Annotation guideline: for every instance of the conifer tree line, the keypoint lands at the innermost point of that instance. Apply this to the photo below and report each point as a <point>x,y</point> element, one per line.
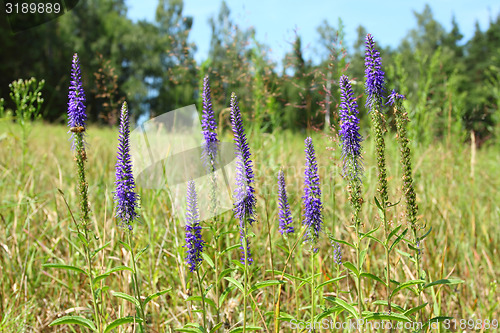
<point>452,85</point>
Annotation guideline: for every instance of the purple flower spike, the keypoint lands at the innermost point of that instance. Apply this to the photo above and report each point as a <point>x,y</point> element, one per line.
<point>284,211</point>
<point>244,194</point>
<point>194,243</point>
<point>349,131</point>
<point>337,253</point>
<point>208,123</point>
<point>374,75</point>
<point>312,195</point>
<point>76,104</point>
<point>125,195</point>
<point>394,97</point>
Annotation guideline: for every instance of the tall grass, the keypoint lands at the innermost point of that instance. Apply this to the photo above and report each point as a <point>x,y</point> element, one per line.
<point>37,229</point>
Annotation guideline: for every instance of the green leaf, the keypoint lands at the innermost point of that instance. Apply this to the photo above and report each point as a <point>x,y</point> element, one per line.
<point>235,282</point>
<point>239,264</point>
<point>199,299</point>
<point>224,273</point>
<point>288,276</point>
<point>82,239</point>
<point>326,313</point>
<point>351,267</point>
<point>208,260</point>
<point>394,231</point>
<point>99,249</point>
<point>122,321</point>
<point>400,237</point>
<point>99,278</point>
<point>342,242</point>
<point>425,235</point>
<point>415,309</point>
<point>155,295</point>
<point>329,281</point>
<point>362,256</point>
<point>393,305</point>
<point>189,330</point>
<point>406,284</point>
<point>236,246</point>
<point>119,268</point>
<point>373,277</point>
<point>74,320</point>
<point>264,284</point>
<point>368,315</point>
<point>369,233</point>
<point>376,240</point>
<point>67,267</point>
<point>343,304</point>
<point>140,253</point>
<point>125,245</point>
<point>413,247</point>
<point>224,294</point>
<point>404,254</point>
<point>127,297</point>
<point>378,204</point>
<point>216,327</point>
<point>444,281</point>
<point>248,328</point>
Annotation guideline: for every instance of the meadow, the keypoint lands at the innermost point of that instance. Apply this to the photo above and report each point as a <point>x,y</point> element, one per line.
<point>457,195</point>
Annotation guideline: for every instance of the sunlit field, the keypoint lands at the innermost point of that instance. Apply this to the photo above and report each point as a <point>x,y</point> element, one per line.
<point>457,196</point>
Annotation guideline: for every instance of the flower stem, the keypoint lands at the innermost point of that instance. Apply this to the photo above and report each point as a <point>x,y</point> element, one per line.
<point>202,300</point>
<point>136,284</point>
<point>313,305</point>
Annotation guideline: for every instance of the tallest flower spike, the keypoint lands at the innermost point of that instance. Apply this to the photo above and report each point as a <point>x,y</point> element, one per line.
<point>374,74</point>
<point>77,121</point>
<point>375,89</point>
<point>77,117</point>
<point>244,194</point>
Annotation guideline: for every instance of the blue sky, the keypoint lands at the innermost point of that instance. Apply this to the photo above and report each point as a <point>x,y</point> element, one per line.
<point>275,21</point>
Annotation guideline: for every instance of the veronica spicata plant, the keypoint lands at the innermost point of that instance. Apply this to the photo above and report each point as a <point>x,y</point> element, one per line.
<point>313,218</point>
<point>244,194</point>
<point>375,90</point>
<point>194,241</point>
<point>374,86</point>
<point>77,122</point>
<point>285,216</point>
<point>127,204</point>
<point>350,139</point>
<point>209,156</point>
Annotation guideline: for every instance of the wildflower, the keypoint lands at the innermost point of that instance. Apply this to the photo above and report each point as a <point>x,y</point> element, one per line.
<point>76,120</point>
<point>125,195</point>
<point>211,143</point>
<point>312,195</point>
<point>349,131</point>
<point>208,123</point>
<point>337,253</point>
<point>373,73</point>
<point>76,104</point>
<point>284,211</point>
<point>375,89</point>
<point>194,243</point>
<point>401,116</point>
<point>394,97</point>
<point>244,194</point>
